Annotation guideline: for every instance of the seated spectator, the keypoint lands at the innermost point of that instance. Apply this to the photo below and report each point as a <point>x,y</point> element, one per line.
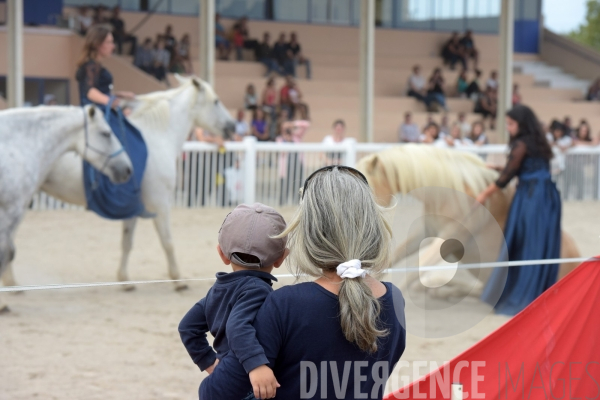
<point>430,133</point>
<point>465,127</point>
<point>492,81</point>
<point>462,84</point>
<point>560,138</point>
<point>281,55</point>
<point>119,34</point>
<point>456,138</point>
<point>487,106</point>
<point>516,95</point>
<point>161,60</point>
<point>416,86</point>
<point>474,89</point>
<point>241,126</point>
<point>593,93</point>
<point>469,50</point>
<point>409,131</point>
<point>144,57</point>
<point>260,128</point>
<point>238,43</point>
<point>184,52</point>
<point>221,42</point>
<point>568,127</point>
<point>295,96</point>
<point>250,100</point>
<point>241,26</point>
<point>98,16</point>
<point>453,52</point>
<point>177,64</point>
<point>269,98</point>
<point>169,40</point>
<point>291,165</point>
<point>444,127</point>
<point>435,90</point>
<point>84,20</point>
<point>339,133</point>
<point>295,54</point>
<point>264,55</point>
<point>478,136</point>
<point>583,135</point>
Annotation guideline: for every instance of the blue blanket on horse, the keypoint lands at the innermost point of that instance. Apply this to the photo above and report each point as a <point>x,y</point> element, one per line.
<point>110,200</point>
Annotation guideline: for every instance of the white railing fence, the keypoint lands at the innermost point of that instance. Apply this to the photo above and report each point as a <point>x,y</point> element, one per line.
<point>272,173</point>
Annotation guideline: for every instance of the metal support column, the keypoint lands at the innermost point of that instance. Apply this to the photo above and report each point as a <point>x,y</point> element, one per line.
<point>367,68</point>
<point>507,27</point>
<point>15,80</point>
<point>207,41</point>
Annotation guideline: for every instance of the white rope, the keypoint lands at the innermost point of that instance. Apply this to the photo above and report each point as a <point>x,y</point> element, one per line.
<point>26,288</point>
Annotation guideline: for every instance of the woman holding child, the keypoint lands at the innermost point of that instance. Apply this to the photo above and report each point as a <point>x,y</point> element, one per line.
<point>340,335</point>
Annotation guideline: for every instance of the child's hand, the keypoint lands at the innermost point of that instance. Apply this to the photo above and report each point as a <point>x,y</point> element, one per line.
<point>212,367</point>
<point>263,382</point>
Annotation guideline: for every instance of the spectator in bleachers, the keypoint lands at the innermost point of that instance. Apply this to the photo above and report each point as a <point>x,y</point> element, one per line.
<point>99,17</point>
<point>444,126</point>
<point>298,106</point>
<point>469,50</point>
<point>221,41</point>
<point>516,95</point>
<point>184,52</point>
<point>296,56</point>
<point>568,127</point>
<point>474,89</point>
<point>409,131</point>
<point>177,64</point>
<point>453,52</point>
<point>435,90</point>
<point>338,136</point>
<point>456,137</point>
<point>260,126</point>
<point>241,27</point>
<point>237,39</point>
<point>169,40</point>
<point>492,81</point>
<point>84,20</point>
<point>119,33</point>
<point>161,59</point>
<point>264,55</point>
<point>465,127</point>
<point>560,138</point>
<point>269,98</point>
<point>241,126</point>
<point>291,166</point>
<point>487,105</point>
<point>416,86</point>
<point>250,99</point>
<point>583,135</point>
<point>462,84</point>
<point>144,57</point>
<point>281,55</point>
<point>478,136</point>
<point>593,93</point>
<point>430,134</point>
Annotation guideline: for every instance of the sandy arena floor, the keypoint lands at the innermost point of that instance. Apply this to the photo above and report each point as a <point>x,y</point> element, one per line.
<point>104,343</point>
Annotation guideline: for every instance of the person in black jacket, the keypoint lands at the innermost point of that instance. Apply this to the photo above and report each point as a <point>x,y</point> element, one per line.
<point>264,55</point>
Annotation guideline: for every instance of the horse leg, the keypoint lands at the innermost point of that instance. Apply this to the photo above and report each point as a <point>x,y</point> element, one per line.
<point>568,249</point>
<point>162,223</point>
<point>7,254</point>
<point>126,246</point>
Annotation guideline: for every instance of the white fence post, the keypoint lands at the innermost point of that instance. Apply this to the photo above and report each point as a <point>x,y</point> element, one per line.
<point>350,152</point>
<point>250,170</point>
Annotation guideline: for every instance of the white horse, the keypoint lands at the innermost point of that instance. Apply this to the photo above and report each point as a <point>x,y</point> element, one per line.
<point>165,120</point>
<point>31,141</point>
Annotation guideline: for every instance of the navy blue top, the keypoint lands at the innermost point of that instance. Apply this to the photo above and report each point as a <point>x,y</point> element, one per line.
<point>227,312</point>
<point>93,75</point>
<point>300,331</point>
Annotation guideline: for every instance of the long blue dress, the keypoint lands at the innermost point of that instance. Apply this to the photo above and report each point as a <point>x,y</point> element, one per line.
<point>105,198</point>
<point>532,232</point>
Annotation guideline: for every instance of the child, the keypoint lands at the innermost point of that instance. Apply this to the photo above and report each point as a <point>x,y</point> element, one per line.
<point>229,308</point>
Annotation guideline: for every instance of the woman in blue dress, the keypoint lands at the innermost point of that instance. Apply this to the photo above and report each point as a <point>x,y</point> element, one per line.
<point>532,228</point>
<point>95,87</point>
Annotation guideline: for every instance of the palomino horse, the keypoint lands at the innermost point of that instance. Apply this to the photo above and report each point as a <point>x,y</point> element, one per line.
<point>409,169</point>
<point>31,141</point>
<point>165,119</point>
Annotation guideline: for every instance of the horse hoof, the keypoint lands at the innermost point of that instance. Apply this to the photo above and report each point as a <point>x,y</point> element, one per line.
<point>181,286</point>
<point>128,288</point>
<point>4,309</point>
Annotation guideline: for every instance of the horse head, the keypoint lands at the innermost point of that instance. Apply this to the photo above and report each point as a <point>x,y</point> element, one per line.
<point>373,169</point>
<point>100,147</point>
<point>209,111</point>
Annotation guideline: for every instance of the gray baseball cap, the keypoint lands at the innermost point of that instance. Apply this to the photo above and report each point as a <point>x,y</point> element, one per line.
<point>248,230</point>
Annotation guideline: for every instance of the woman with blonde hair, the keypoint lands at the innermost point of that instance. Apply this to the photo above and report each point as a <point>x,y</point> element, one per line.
<point>345,323</point>
<point>96,87</point>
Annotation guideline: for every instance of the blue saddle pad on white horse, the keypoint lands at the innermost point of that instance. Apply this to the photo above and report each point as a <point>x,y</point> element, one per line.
<point>108,199</point>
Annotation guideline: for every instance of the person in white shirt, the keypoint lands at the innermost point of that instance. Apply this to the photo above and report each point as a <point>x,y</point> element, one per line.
<point>241,126</point>
<point>465,127</point>
<point>338,136</point>
<point>492,82</point>
<point>416,86</point>
<point>408,132</point>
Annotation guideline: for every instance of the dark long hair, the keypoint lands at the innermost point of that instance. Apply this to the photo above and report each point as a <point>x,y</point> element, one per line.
<point>93,40</point>
<point>530,132</point>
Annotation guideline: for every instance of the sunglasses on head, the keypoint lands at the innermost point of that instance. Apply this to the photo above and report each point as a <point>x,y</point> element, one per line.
<point>353,171</point>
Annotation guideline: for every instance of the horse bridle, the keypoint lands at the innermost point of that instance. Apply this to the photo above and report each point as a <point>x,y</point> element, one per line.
<point>108,156</point>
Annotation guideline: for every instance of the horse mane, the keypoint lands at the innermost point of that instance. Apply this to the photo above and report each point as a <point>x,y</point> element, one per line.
<point>155,107</point>
<point>412,166</point>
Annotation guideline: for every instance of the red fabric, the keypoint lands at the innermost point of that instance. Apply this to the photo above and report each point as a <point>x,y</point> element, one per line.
<point>551,350</point>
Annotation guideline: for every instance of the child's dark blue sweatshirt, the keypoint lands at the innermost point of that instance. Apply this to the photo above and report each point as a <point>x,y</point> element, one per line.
<point>227,312</point>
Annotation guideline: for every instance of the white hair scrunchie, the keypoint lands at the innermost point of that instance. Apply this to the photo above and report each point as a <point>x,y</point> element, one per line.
<point>351,269</point>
